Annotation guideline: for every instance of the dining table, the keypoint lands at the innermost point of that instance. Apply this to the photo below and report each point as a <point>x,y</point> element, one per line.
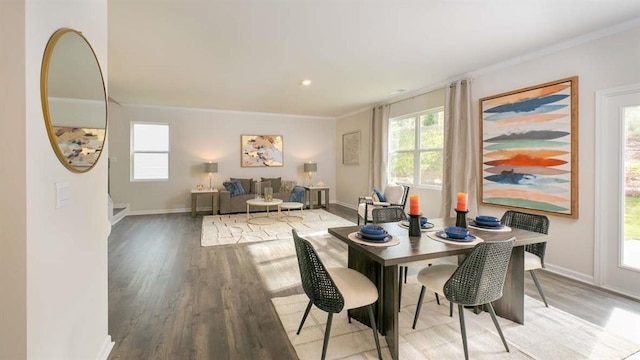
<point>380,264</point>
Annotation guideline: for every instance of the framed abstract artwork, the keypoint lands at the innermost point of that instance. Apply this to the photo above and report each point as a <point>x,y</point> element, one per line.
<point>261,150</point>
<point>529,148</point>
<point>351,148</point>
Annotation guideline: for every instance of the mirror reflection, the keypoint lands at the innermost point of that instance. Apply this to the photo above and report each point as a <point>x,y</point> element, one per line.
<point>73,100</point>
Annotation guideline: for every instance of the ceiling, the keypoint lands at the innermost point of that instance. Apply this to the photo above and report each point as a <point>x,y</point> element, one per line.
<point>251,55</point>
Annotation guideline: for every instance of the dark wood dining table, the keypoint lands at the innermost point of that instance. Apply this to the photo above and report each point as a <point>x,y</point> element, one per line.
<point>380,264</point>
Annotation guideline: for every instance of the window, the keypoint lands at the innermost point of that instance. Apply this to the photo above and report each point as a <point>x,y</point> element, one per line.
<point>416,145</point>
<point>150,151</point>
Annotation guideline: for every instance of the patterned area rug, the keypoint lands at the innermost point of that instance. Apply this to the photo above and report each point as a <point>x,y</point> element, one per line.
<point>548,333</point>
<point>234,229</point>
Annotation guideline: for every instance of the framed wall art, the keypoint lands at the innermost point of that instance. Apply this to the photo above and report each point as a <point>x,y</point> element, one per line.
<point>351,148</point>
<point>261,150</point>
<point>529,148</point>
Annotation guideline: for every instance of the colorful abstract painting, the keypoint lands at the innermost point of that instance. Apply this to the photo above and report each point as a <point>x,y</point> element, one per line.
<point>530,148</point>
<point>261,150</point>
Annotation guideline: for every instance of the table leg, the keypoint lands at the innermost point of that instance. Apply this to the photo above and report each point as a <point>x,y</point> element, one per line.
<point>326,199</point>
<point>194,201</point>
<point>511,305</point>
<point>248,212</point>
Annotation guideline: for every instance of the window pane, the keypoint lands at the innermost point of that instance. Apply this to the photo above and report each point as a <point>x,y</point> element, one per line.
<point>632,187</point>
<point>150,137</point>
<point>402,134</point>
<point>401,168</point>
<point>431,164</point>
<point>432,130</point>
<point>150,166</point>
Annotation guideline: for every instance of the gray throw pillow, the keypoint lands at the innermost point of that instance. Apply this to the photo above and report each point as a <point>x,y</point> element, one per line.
<point>276,183</point>
<point>246,184</point>
<point>233,187</point>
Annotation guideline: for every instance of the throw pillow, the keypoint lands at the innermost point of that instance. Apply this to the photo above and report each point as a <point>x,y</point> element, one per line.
<point>297,194</point>
<point>287,186</point>
<point>275,183</point>
<point>246,184</point>
<point>233,187</point>
<point>378,196</point>
<point>393,193</point>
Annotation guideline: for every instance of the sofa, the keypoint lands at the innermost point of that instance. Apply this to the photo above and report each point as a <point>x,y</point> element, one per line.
<point>235,201</point>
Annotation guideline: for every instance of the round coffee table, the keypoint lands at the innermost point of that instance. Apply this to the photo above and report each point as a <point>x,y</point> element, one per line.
<point>288,206</point>
<point>266,204</point>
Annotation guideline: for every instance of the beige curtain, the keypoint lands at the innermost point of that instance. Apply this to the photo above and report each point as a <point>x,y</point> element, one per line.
<point>460,149</point>
<point>379,147</point>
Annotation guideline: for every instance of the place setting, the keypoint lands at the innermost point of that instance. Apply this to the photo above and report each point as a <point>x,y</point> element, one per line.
<point>488,223</point>
<point>425,225</point>
<point>455,235</point>
<point>373,235</point>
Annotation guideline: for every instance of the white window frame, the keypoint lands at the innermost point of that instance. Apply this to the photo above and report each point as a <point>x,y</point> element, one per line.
<point>133,152</point>
<point>417,150</point>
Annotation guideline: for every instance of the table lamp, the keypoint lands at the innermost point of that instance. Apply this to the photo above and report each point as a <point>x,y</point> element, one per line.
<point>310,168</point>
<point>210,168</point>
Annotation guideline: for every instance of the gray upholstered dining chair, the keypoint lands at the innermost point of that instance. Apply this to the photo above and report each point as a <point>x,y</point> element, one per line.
<point>478,280</point>
<point>333,289</point>
<point>534,253</point>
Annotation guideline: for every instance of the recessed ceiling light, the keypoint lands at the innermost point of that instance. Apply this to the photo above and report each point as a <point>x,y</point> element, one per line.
<point>399,91</point>
<point>306,82</point>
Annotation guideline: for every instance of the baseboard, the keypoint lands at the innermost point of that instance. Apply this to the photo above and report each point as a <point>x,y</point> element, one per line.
<point>106,348</point>
<point>347,205</point>
<point>578,276</point>
<point>163,211</point>
<point>121,214</point>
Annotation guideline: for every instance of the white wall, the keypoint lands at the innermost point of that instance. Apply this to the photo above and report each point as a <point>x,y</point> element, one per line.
<point>13,192</point>
<point>600,64</point>
<point>197,136</point>
<point>67,294</point>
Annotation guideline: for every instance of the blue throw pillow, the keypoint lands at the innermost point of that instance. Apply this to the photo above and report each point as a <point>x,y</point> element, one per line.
<point>234,187</point>
<point>297,194</point>
<point>380,195</point>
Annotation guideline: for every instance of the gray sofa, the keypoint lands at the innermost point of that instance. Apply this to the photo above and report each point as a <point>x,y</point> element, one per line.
<point>238,204</point>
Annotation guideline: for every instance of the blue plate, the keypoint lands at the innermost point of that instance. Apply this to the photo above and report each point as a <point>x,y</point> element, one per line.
<point>488,224</point>
<point>485,218</point>
<point>372,230</point>
<point>425,226</point>
<point>443,235</point>
<point>379,238</point>
<point>456,232</point>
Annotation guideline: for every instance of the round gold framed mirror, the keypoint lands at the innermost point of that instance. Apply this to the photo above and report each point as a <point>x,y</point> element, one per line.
<point>74,100</point>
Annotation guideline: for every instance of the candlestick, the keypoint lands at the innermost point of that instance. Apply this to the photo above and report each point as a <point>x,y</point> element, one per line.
<point>461,218</point>
<point>462,201</point>
<point>414,204</point>
<point>414,225</point>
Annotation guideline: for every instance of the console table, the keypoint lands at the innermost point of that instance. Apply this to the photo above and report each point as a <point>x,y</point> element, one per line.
<point>311,192</point>
<point>214,200</point>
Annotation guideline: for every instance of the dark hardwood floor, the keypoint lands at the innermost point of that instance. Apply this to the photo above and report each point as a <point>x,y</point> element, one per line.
<point>170,298</point>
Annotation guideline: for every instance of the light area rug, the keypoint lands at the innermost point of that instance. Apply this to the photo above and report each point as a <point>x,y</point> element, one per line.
<point>234,229</point>
<point>548,333</point>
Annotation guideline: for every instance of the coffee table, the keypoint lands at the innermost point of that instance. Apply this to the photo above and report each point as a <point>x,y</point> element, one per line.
<point>266,204</point>
<point>288,206</point>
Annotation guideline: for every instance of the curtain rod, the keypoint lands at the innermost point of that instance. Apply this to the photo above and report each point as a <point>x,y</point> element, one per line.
<point>414,96</point>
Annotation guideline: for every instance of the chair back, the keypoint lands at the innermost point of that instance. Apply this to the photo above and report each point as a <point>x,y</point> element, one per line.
<point>316,282</point>
<point>387,214</point>
<point>480,277</point>
<point>530,222</point>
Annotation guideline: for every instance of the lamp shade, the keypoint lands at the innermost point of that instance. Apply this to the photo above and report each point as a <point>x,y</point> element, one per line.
<point>210,167</point>
<point>310,167</point>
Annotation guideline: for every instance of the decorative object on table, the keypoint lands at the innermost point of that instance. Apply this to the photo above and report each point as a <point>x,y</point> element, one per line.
<point>529,146</point>
<point>258,189</point>
<point>199,187</point>
<point>462,210</point>
<point>310,168</point>
<point>461,218</point>
<point>210,168</point>
<point>351,148</point>
<point>414,216</point>
<point>261,150</point>
<point>393,194</point>
<point>268,193</point>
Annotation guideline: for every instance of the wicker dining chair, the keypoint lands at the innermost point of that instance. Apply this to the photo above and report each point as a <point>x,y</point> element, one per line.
<point>478,280</point>
<point>333,290</point>
<point>534,253</point>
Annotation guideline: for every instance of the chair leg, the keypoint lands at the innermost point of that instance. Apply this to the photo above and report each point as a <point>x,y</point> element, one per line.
<point>450,309</point>
<point>406,270</point>
<point>535,280</point>
<point>306,312</point>
<point>327,333</point>
<point>415,318</point>
<point>400,287</point>
<point>437,299</point>
<point>463,331</point>
<point>372,320</point>
<point>495,322</point>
